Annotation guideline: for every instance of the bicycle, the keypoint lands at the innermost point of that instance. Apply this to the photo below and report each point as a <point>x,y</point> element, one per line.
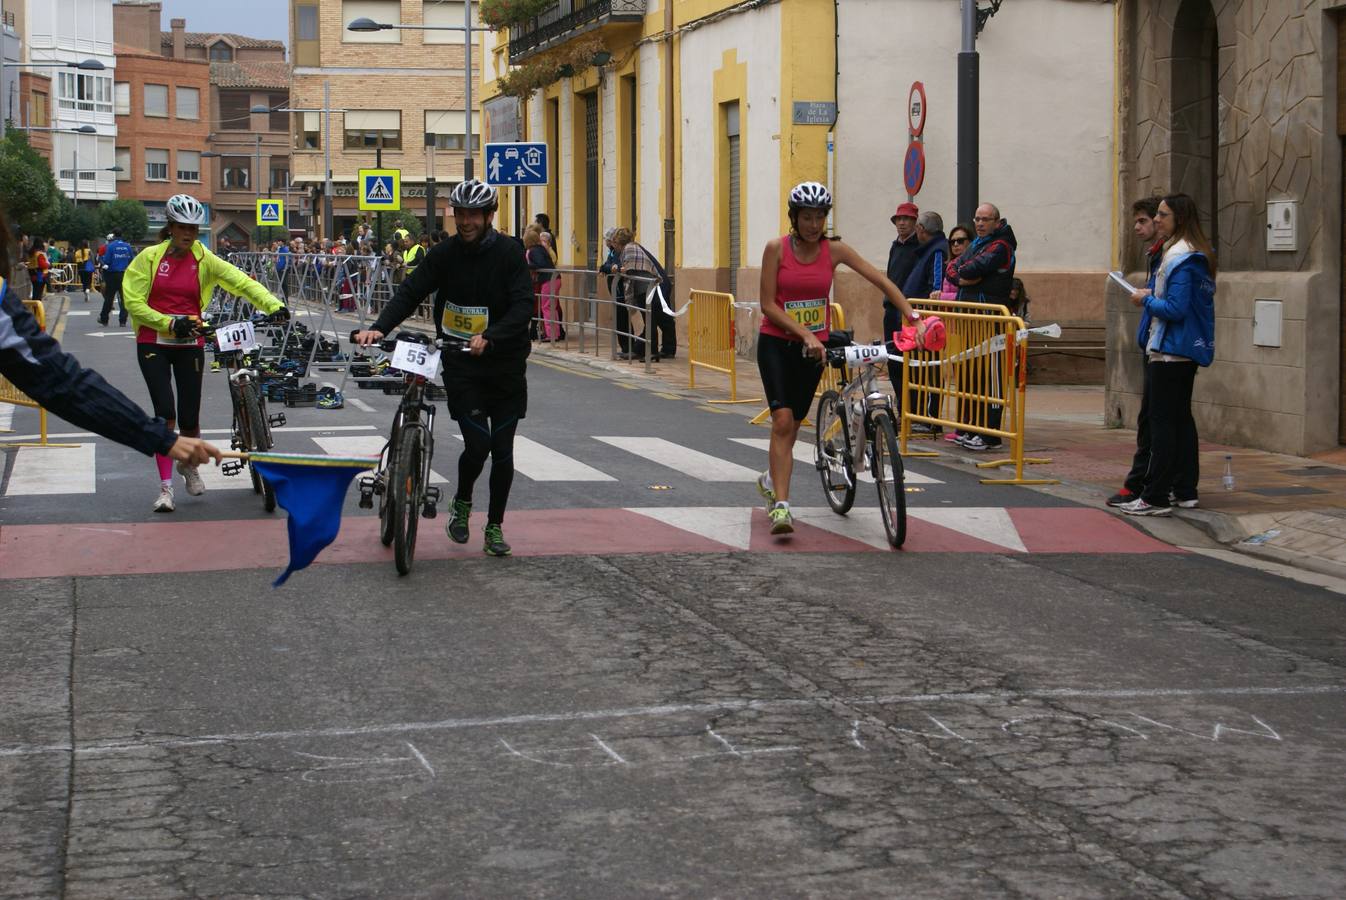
<point>252,425</point>
<point>401,481</point>
<point>854,424</point>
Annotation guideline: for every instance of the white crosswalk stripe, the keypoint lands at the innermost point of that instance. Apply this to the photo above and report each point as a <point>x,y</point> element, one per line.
<point>541,463</point>
<point>52,470</point>
<point>803,452</point>
<point>985,523</point>
<point>6,416</point>
<point>691,462</point>
<point>363,445</point>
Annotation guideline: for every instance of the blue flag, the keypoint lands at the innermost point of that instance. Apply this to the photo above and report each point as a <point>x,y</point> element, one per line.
<point>312,489</point>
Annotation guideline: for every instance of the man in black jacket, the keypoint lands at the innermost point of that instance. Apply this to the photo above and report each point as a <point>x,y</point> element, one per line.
<point>484,297</point>
<point>901,258</point>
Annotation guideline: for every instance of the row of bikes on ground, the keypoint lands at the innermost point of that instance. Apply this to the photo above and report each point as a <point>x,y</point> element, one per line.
<point>856,430</point>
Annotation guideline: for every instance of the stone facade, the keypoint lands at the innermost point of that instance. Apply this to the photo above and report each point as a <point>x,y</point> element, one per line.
<point>1232,102</point>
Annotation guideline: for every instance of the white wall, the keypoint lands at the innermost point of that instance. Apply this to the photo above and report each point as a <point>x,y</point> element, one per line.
<point>649,88</point>
<point>756,38</point>
<point>1050,173</point>
<point>607,156</point>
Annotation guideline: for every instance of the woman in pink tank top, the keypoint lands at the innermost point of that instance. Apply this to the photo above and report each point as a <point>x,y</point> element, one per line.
<point>796,320</point>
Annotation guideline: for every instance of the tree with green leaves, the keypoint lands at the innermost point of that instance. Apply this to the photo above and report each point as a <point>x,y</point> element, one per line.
<point>27,188</point>
<point>65,221</point>
<point>127,216</point>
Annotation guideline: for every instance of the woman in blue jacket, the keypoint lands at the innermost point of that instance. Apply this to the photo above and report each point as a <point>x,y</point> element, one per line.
<point>1177,333</point>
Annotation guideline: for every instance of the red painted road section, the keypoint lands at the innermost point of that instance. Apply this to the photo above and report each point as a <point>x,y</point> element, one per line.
<point>42,551</point>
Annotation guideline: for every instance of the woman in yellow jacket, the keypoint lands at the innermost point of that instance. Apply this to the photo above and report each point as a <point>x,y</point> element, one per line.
<point>84,266</point>
<point>166,289</point>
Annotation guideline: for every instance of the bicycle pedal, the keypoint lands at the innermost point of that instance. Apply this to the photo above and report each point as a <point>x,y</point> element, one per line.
<point>232,467</point>
<point>432,495</point>
<point>428,511</point>
<point>276,420</point>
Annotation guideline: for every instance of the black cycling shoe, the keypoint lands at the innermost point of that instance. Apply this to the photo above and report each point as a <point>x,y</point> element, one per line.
<point>457,529</point>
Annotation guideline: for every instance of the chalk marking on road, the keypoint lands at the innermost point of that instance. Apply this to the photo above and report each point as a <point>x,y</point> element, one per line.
<point>289,429</point>
<point>103,530</point>
<point>672,709</point>
<point>724,743</point>
<point>855,734</point>
<point>608,750</point>
<point>948,732</point>
<point>420,757</point>
<point>1220,728</point>
<point>1008,727</point>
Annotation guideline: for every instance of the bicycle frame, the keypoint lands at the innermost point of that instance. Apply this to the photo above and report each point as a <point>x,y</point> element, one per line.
<point>860,397</point>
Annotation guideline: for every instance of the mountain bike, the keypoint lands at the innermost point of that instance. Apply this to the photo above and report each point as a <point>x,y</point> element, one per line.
<point>252,425</point>
<point>402,481</point>
<point>856,430</point>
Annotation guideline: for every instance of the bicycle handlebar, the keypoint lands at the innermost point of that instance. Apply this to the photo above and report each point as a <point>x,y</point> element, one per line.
<point>389,344</point>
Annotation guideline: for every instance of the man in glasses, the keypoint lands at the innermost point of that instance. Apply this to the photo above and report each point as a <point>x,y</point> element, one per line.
<point>985,274</point>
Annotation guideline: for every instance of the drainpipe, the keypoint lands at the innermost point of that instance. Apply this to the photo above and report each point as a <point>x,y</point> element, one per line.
<point>670,226</point>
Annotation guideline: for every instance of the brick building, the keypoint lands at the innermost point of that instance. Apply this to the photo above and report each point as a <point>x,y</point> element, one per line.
<point>394,88</point>
<point>161,117</point>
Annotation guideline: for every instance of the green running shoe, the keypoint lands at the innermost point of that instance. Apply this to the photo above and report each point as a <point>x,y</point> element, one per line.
<point>457,529</point>
<point>781,520</point>
<point>495,541</point>
<point>768,494</point>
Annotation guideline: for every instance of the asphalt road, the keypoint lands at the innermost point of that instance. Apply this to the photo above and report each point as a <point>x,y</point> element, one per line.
<point>714,723</point>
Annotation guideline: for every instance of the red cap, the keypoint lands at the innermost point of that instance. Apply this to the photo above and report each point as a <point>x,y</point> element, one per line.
<point>906,209</point>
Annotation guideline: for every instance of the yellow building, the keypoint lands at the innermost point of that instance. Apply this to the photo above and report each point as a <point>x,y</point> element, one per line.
<point>394,95</point>
<point>678,132</point>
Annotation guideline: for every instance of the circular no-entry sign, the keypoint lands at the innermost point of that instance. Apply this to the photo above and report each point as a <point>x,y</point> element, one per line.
<point>916,109</point>
<point>913,168</point>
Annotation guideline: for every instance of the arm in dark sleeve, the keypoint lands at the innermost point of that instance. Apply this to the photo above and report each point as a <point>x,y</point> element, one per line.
<point>519,290</point>
<point>35,363</point>
<point>409,294</point>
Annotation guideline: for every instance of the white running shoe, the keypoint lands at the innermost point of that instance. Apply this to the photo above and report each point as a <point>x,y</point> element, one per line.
<point>165,501</point>
<point>195,486</point>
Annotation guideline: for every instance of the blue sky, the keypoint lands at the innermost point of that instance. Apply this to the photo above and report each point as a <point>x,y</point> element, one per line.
<point>254,18</point>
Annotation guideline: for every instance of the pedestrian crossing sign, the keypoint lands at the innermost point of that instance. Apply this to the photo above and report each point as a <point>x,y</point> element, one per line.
<point>270,212</point>
<point>380,189</point>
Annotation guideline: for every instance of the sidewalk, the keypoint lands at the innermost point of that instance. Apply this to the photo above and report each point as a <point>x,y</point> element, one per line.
<point>1286,509</point>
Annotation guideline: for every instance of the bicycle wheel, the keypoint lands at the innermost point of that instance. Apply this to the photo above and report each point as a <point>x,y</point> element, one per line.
<point>250,410</point>
<point>408,495</point>
<point>389,477</point>
<point>889,477</point>
<point>832,453</point>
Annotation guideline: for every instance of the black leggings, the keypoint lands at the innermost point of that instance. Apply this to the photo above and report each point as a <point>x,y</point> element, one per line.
<point>161,366</point>
<point>86,280</point>
<point>482,438</point>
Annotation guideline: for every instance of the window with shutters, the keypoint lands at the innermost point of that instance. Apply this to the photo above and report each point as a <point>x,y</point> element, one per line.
<point>234,115</point>
<point>447,127</point>
<point>307,131</point>
<point>370,129</point>
<point>121,103</point>
<point>189,165</point>
<point>385,11</point>
<point>156,165</point>
<point>187,103</point>
<point>235,172</point>
<point>446,12</point>
<point>156,100</point>
<point>734,205</point>
<point>37,109</point>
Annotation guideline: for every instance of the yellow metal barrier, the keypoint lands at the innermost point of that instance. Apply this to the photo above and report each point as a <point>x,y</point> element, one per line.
<point>977,383</point>
<point>10,394</point>
<point>832,378</point>
<point>711,340</point>
<point>62,275</point>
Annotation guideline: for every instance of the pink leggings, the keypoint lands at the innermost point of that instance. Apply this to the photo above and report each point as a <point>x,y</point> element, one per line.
<point>549,308</point>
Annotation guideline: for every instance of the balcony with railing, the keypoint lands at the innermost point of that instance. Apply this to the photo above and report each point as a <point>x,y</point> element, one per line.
<point>569,19</point>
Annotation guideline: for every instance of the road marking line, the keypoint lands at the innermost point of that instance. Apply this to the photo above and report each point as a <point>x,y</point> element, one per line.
<point>52,470</point>
<point>991,524</point>
<point>289,429</point>
<point>731,525</point>
<point>6,415</point>
<point>709,708</point>
<point>360,404</point>
<point>541,463</point>
<point>701,466</point>
<point>803,451</point>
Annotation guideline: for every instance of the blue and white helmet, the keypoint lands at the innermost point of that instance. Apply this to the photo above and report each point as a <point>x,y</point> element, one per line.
<point>185,210</point>
<point>810,195</point>
<point>473,194</point>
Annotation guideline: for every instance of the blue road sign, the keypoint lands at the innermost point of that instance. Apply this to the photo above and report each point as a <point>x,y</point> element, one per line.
<point>516,164</point>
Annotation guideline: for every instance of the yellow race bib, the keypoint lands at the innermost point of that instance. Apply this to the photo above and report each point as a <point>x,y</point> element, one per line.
<point>464,321</point>
<point>812,314</point>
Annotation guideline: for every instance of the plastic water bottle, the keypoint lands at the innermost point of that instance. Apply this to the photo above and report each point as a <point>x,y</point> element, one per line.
<point>1228,479</point>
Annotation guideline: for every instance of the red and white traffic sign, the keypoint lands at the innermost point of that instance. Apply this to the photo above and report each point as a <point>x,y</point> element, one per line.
<point>916,109</point>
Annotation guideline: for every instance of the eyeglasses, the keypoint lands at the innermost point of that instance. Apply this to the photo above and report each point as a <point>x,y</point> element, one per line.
<point>961,240</point>
<point>983,218</point>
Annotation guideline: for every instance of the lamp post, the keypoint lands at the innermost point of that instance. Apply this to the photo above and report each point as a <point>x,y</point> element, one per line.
<point>364,25</point>
<point>74,153</point>
<point>327,110</point>
<point>86,65</point>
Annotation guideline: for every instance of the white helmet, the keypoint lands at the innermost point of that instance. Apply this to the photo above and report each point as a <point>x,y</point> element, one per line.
<point>810,195</point>
<point>185,210</point>
<point>473,194</point>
